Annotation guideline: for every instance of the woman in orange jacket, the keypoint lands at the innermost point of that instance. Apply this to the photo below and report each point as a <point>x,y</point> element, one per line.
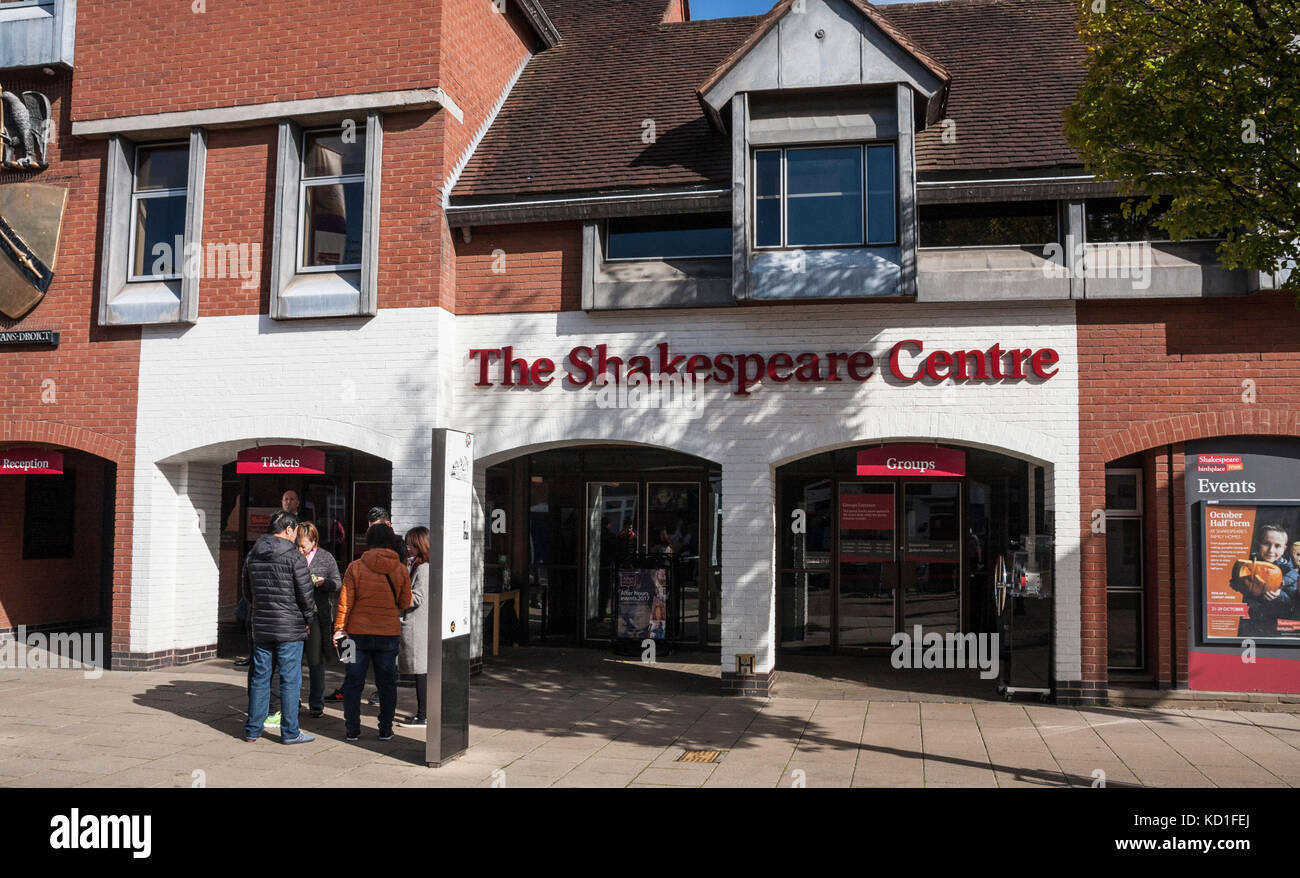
<point>368,628</point>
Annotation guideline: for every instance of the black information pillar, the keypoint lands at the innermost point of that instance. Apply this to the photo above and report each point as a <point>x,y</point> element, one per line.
<point>451,498</point>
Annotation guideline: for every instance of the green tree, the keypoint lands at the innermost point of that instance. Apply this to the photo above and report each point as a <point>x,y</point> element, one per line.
<point>1197,99</point>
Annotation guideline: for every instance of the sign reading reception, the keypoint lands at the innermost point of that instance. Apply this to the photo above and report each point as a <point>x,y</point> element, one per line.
<point>31,462</point>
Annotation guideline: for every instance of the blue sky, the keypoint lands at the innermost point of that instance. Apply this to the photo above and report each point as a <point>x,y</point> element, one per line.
<point>728,8</point>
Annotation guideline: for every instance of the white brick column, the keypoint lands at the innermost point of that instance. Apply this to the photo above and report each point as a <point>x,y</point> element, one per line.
<point>748,565</point>
<point>478,539</point>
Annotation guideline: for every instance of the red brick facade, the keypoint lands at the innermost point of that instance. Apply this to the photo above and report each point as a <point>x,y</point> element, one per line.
<point>203,55</point>
<point>1154,375</point>
<point>519,268</point>
<point>80,395</point>
<point>151,56</point>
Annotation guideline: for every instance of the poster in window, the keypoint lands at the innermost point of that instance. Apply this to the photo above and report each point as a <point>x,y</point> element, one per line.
<point>1251,559</point>
<point>642,603</point>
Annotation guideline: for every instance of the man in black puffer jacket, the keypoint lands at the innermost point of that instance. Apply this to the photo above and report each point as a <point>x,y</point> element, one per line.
<point>277,585</point>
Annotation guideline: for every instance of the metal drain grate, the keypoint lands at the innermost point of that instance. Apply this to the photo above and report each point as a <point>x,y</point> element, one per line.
<point>701,756</point>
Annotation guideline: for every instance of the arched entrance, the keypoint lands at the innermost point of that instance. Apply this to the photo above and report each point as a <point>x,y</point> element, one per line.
<point>198,515</point>
<point>334,492</point>
<point>885,539</point>
<point>56,538</point>
<point>558,523</point>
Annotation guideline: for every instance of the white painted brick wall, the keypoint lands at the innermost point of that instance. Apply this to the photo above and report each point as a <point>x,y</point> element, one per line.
<point>210,389</point>
<point>752,435</point>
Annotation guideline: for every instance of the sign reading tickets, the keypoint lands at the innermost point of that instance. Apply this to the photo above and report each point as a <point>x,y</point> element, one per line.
<point>914,459</point>
<point>281,460</point>
<point>31,462</point>
<point>458,473</point>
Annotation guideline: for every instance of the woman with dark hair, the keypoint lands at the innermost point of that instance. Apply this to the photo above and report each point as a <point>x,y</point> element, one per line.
<point>325,582</point>
<point>412,657</point>
<point>368,625</point>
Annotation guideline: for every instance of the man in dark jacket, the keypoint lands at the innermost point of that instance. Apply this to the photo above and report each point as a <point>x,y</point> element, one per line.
<point>379,515</point>
<point>277,585</point>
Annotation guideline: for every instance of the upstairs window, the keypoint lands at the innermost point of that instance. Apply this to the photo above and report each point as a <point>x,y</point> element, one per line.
<point>825,196</point>
<point>684,236</point>
<point>159,195</point>
<point>333,197</point>
<point>1107,223</point>
<point>994,224</point>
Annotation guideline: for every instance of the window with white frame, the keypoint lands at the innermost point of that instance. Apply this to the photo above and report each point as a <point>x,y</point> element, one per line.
<point>159,195</point>
<point>825,196</point>
<point>1125,580</point>
<point>332,199</point>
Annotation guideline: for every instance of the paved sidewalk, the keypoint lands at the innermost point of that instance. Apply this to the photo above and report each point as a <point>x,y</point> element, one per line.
<point>583,718</point>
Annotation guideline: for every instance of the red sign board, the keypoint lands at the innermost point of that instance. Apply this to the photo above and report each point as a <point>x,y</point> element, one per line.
<point>31,462</point>
<point>280,460</point>
<point>1219,463</point>
<point>912,460</point>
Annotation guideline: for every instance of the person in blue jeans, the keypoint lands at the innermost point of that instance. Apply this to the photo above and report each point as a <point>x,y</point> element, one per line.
<point>277,585</point>
<point>368,627</point>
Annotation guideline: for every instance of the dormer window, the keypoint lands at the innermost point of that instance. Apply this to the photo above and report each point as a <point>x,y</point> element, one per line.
<point>825,196</point>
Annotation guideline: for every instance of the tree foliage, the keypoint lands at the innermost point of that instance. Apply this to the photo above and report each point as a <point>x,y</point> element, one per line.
<point>1197,99</point>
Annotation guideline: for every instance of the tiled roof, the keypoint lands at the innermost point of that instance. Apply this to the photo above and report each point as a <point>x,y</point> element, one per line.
<point>1015,65</point>
<point>578,119</point>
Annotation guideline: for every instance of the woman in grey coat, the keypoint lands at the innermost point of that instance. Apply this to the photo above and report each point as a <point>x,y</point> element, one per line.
<point>326,583</point>
<point>413,653</point>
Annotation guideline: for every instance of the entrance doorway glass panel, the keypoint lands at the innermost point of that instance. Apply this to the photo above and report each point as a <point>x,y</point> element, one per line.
<point>868,574</point>
<point>673,527</point>
<point>611,536</point>
<point>931,563</point>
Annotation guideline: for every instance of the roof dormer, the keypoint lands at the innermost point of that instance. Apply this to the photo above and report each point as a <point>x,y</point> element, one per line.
<point>809,44</point>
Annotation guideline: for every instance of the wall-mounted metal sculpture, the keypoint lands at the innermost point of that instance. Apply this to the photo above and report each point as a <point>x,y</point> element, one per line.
<point>26,130</point>
<point>31,221</point>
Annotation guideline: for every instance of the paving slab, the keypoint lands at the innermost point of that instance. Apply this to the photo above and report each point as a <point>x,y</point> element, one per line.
<point>584,719</point>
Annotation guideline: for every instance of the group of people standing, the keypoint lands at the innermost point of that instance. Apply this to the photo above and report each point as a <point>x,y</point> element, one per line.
<point>297,606</point>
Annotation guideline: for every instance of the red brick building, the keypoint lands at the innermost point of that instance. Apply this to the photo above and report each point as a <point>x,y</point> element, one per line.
<point>320,227</point>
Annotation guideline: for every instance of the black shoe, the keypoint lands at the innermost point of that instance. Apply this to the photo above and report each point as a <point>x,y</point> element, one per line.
<point>317,712</point>
<point>241,662</point>
<point>373,699</point>
<point>415,722</point>
<point>336,695</point>
<point>387,737</point>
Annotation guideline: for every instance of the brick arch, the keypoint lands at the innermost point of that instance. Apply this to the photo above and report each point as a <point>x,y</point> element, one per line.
<point>1236,420</point>
<point>64,435</point>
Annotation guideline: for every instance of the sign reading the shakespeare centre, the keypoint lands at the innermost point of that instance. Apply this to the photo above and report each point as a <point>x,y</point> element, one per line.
<point>907,362</point>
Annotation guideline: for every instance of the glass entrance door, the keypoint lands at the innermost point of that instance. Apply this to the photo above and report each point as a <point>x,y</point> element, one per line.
<point>868,572</point>
<point>612,535</point>
<point>930,567</point>
<point>673,528</point>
